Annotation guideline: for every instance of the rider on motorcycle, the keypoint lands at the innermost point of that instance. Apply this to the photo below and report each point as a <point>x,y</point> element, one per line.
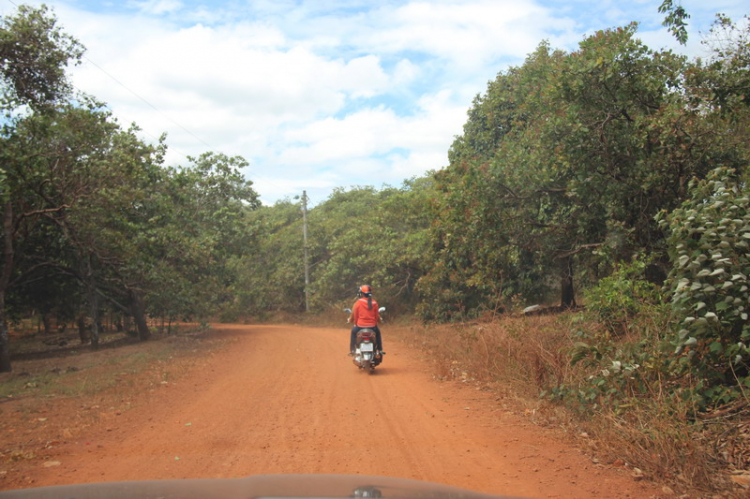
<point>365,314</point>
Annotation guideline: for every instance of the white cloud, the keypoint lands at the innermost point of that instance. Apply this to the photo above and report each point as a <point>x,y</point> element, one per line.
<point>376,131</point>
<point>415,164</point>
<point>319,94</point>
<point>467,34</point>
<point>363,77</point>
<point>374,146</point>
<point>158,7</point>
<point>405,72</point>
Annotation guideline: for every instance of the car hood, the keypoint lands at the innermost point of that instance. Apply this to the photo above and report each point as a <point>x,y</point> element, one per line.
<point>255,487</point>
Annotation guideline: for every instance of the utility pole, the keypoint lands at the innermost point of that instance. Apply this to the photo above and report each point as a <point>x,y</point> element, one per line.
<point>307,263</point>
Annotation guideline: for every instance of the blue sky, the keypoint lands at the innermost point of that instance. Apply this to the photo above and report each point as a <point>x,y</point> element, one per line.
<point>328,93</point>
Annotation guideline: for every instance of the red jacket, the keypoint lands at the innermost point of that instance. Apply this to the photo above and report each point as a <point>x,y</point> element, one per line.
<point>364,317</point>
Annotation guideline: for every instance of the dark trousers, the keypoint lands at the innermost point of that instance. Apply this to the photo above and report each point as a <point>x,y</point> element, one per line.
<point>356,329</point>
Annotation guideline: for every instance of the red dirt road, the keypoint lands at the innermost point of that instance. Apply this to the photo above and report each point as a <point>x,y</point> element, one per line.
<point>284,399</point>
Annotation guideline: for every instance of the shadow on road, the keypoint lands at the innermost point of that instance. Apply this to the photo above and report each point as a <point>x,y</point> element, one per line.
<point>382,371</point>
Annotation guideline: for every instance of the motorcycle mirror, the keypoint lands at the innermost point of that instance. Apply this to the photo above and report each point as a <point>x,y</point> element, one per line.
<point>381,309</point>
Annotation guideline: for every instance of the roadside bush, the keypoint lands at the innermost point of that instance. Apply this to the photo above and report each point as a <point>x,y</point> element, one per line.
<point>619,351</point>
<point>617,299</point>
<point>710,286</point>
<point>611,371</point>
<point>699,348</point>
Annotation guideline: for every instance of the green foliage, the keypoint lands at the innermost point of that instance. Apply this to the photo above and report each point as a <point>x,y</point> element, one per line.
<point>675,19</point>
<point>34,55</point>
<point>629,357</point>
<point>613,371</point>
<point>89,209</point>
<point>565,161</point>
<point>561,168</point>
<point>721,81</point>
<point>356,236</point>
<point>700,349</point>
<point>372,237</point>
<point>95,205</point>
<point>619,297</point>
<point>270,273</point>
<point>709,237</point>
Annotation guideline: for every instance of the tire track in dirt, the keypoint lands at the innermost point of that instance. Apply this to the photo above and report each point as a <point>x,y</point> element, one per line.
<point>286,399</point>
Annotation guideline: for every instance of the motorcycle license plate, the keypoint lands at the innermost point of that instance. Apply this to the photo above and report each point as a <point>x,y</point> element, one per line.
<point>366,347</point>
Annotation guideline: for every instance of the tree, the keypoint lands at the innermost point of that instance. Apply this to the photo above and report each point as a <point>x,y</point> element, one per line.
<point>136,236</point>
<point>34,54</point>
<point>89,203</point>
<point>563,164</point>
<point>203,227</point>
<point>372,237</point>
<point>85,176</point>
<point>270,272</point>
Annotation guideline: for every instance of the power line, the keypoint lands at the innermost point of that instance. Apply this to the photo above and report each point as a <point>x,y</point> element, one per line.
<point>250,173</point>
<point>148,103</point>
<point>152,106</point>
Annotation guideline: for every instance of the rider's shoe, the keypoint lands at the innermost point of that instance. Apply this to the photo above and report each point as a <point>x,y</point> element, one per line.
<point>351,354</point>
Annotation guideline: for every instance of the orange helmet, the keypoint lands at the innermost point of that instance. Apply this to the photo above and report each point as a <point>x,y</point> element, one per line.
<point>365,290</point>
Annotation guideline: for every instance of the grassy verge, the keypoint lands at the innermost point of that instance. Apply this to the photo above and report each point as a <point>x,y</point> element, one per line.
<point>651,434</point>
<point>84,372</point>
<point>518,356</point>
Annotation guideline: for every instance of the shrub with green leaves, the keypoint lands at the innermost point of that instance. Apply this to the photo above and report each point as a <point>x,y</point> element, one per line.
<point>613,371</point>
<point>618,298</point>
<point>710,250</point>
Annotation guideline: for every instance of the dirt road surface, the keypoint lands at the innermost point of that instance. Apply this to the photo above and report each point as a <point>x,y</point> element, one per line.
<point>285,399</point>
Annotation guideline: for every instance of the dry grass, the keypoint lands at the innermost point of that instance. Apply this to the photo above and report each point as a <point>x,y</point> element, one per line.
<point>519,357</point>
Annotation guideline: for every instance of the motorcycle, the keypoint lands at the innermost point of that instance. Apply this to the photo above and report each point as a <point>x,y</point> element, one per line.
<point>366,355</point>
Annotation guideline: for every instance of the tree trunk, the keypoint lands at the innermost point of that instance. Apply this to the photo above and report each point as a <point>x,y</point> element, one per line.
<point>83,330</point>
<point>93,299</point>
<point>4,346</point>
<point>47,322</point>
<point>567,292</point>
<point>139,315</point>
<point>5,283</point>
